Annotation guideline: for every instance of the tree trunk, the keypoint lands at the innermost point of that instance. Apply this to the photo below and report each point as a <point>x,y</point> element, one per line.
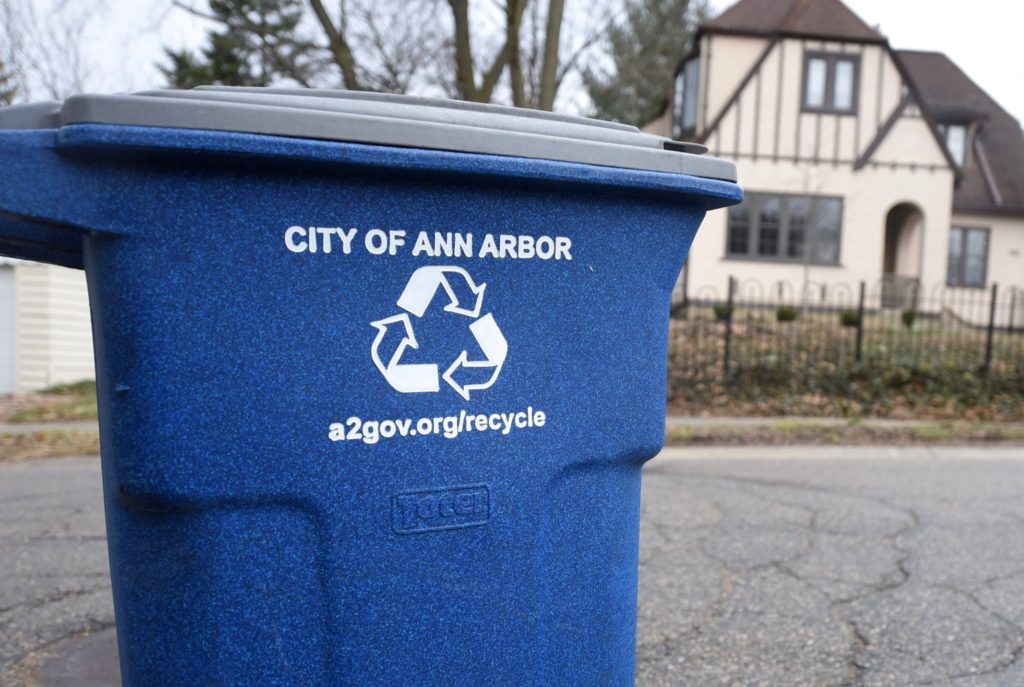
<point>514,10</point>
<point>549,70</point>
<point>339,47</point>
<point>465,79</point>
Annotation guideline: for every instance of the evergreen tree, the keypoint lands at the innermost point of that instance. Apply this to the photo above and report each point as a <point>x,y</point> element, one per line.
<point>256,44</point>
<point>645,49</point>
<point>8,87</point>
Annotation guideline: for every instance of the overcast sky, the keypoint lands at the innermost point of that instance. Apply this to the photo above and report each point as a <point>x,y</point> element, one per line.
<point>982,36</point>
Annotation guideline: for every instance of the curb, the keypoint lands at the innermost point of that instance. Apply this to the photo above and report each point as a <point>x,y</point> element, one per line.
<point>686,421</point>
<point>33,427</point>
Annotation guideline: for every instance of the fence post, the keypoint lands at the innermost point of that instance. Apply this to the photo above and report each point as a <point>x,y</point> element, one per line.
<point>860,323</point>
<point>1013,309</point>
<point>728,325</point>
<point>990,336</point>
<point>686,289</point>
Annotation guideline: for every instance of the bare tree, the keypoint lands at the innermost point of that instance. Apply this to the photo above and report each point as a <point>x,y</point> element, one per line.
<point>11,76</point>
<point>45,47</point>
<point>482,51</point>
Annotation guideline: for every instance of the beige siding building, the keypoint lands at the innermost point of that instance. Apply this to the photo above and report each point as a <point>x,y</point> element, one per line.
<point>45,332</point>
<point>860,162</point>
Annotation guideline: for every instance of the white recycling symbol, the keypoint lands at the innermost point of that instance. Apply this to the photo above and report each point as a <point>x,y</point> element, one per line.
<point>413,378</point>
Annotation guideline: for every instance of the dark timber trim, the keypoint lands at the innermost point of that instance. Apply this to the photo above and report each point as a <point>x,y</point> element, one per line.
<point>929,120</point>
<point>882,133</point>
<point>778,100</point>
<point>739,122</point>
<point>834,38</point>
<point>778,38</point>
<point>859,119</point>
<point>817,137</point>
<point>835,147</point>
<point>911,166</point>
<point>799,112</point>
<point>878,95</point>
<point>986,171</point>
<point>757,111</point>
<point>987,210</point>
<point>704,84</point>
<point>734,98</point>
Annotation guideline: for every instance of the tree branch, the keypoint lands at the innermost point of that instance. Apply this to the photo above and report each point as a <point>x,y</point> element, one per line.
<point>569,64</point>
<point>465,79</point>
<point>514,20</point>
<point>546,101</point>
<point>339,47</point>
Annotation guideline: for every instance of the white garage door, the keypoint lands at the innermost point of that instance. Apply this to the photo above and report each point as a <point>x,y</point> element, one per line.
<point>6,329</point>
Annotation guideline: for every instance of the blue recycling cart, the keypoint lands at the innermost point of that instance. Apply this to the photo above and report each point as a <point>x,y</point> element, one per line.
<point>376,375</point>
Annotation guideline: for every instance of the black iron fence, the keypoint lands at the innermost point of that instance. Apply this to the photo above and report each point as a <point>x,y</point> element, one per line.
<point>820,338</point>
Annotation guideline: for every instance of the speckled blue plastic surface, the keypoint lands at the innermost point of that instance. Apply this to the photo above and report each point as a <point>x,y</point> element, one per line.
<point>248,548</point>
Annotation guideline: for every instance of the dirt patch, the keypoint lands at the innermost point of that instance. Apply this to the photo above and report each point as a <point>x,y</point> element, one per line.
<point>16,448</point>
<point>60,403</point>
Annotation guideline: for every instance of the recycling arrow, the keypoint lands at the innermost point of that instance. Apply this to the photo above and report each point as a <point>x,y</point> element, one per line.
<point>408,379</point>
<point>495,349</point>
<point>424,282</point>
<point>465,298</point>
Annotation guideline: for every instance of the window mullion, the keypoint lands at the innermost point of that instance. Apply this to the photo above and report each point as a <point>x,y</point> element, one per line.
<point>830,72</point>
<point>963,256</point>
<point>810,228</point>
<point>754,230</point>
<point>782,248</point>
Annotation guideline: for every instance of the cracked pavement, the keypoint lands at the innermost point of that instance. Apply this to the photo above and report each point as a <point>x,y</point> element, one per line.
<point>54,579</point>
<point>831,566</point>
<point>782,566</point>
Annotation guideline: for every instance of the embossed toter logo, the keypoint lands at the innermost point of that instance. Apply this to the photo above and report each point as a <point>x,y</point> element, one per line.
<point>440,509</point>
<point>465,298</point>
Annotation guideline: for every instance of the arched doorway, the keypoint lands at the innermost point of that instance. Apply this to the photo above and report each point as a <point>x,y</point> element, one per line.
<point>901,261</point>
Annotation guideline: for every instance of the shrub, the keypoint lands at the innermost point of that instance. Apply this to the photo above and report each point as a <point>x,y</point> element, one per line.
<point>786,313</point>
<point>849,318</point>
<point>909,316</point>
<point>722,312</point>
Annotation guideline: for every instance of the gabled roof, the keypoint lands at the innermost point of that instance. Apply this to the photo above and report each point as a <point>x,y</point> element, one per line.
<point>993,178</point>
<point>811,18</point>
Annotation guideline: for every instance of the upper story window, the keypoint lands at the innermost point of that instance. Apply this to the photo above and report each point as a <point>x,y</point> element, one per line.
<point>684,98</point>
<point>968,257</point>
<point>830,83</point>
<point>786,228</point>
<point>956,142</point>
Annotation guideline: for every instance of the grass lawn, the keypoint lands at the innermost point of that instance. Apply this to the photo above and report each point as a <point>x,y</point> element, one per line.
<point>809,367</point>
<point>65,402</point>
<point>788,432</point>
<point>15,448</point>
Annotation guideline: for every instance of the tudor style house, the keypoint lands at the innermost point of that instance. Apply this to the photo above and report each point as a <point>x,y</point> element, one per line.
<point>860,162</point>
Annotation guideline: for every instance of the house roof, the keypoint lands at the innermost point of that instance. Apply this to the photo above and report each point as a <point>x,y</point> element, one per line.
<point>813,18</point>
<point>993,178</point>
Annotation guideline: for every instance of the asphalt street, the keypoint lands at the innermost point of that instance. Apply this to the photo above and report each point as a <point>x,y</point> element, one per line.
<point>759,566</point>
<point>54,579</point>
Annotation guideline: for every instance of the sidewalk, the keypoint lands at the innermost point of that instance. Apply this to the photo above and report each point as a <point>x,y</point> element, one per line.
<point>32,427</point>
<point>690,421</point>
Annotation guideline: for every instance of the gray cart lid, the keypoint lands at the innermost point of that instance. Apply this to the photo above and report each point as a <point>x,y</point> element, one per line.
<point>383,119</point>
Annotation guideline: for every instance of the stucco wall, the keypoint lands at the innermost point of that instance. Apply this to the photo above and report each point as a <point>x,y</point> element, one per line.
<point>731,57</point>
<point>767,120</point>
<point>1005,268</point>
<point>868,195</point>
